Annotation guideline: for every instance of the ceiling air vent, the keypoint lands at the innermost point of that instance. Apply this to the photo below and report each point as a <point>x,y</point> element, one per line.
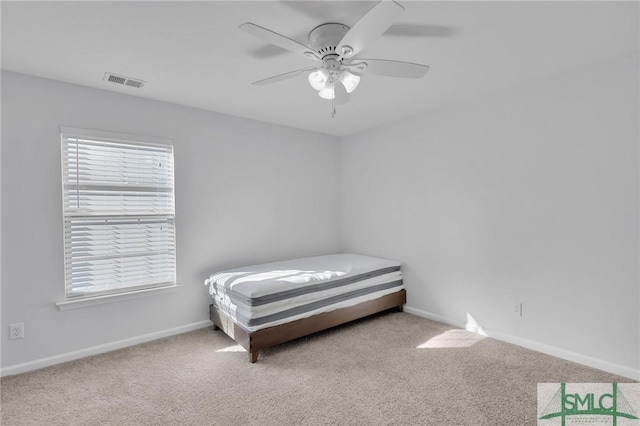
<point>120,79</point>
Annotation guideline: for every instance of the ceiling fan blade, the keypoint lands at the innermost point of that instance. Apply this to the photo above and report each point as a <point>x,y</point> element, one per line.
<point>375,22</point>
<point>394,68</point>
<point>342,97</point>
<point>279,40</point>
<point>280,77</point>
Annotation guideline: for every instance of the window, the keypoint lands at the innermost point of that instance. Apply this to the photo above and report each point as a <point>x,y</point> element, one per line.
<point>119,232</point>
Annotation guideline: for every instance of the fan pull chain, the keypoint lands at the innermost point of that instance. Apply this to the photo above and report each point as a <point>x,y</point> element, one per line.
<point>333,108</point>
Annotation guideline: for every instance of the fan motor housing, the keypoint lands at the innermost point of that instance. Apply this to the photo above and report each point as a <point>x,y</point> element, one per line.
<point>324,38</point>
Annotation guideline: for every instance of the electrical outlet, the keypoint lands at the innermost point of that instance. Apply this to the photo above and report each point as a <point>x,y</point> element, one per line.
<point>516,309</point>
<point>16,331</point>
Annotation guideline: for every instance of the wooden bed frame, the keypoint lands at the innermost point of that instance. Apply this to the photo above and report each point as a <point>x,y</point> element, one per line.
<point>271,336</point>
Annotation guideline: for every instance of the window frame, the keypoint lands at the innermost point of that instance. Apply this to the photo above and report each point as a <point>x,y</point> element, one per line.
<point>124,291</point>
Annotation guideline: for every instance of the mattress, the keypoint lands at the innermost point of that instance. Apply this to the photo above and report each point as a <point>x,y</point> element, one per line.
<point>270,294</point>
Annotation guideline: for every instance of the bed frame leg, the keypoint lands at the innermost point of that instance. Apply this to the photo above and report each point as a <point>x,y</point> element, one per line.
<point>400,308</point>
<point>253,356</point>
<point>215,327</point>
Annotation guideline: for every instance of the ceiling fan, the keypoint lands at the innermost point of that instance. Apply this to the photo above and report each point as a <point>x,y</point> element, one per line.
<point>335,48</point>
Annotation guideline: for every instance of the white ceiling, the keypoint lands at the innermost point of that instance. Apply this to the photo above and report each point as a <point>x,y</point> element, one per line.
<point>192,53</point>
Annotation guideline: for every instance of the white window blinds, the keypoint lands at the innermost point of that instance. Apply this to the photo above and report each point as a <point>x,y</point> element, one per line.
<point>118,198</point>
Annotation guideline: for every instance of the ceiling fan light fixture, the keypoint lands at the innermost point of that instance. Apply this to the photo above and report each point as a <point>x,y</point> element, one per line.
<point>335,47</point>
<point>318,79</point>
<point>349,80</point>
<point>328,91</point>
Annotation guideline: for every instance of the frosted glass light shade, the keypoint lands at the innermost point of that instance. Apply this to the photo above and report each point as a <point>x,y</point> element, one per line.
<point>350,81</point>
<point>328,91</point>
<point>318,79</point>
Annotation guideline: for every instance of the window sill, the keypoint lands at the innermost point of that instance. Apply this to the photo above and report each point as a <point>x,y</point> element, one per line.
<point>111,298</point>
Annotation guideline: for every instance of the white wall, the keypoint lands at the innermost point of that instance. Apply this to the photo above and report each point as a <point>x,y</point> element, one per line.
<point>246,192</point>
<point>527,196</point>
<point>530,195</point>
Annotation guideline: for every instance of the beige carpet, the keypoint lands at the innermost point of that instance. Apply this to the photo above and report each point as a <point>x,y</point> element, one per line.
<point>366,373</point>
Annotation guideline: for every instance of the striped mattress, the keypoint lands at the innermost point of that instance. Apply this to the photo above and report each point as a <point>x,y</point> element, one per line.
<point>261,296</point>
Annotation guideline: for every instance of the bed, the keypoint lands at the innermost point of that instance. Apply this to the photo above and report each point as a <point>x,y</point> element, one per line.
<point>265,305</point>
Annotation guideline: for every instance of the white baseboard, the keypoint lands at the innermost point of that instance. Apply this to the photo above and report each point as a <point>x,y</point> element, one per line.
<point>525,343</point>
<point>607,366</point>
<point>95,350</point>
